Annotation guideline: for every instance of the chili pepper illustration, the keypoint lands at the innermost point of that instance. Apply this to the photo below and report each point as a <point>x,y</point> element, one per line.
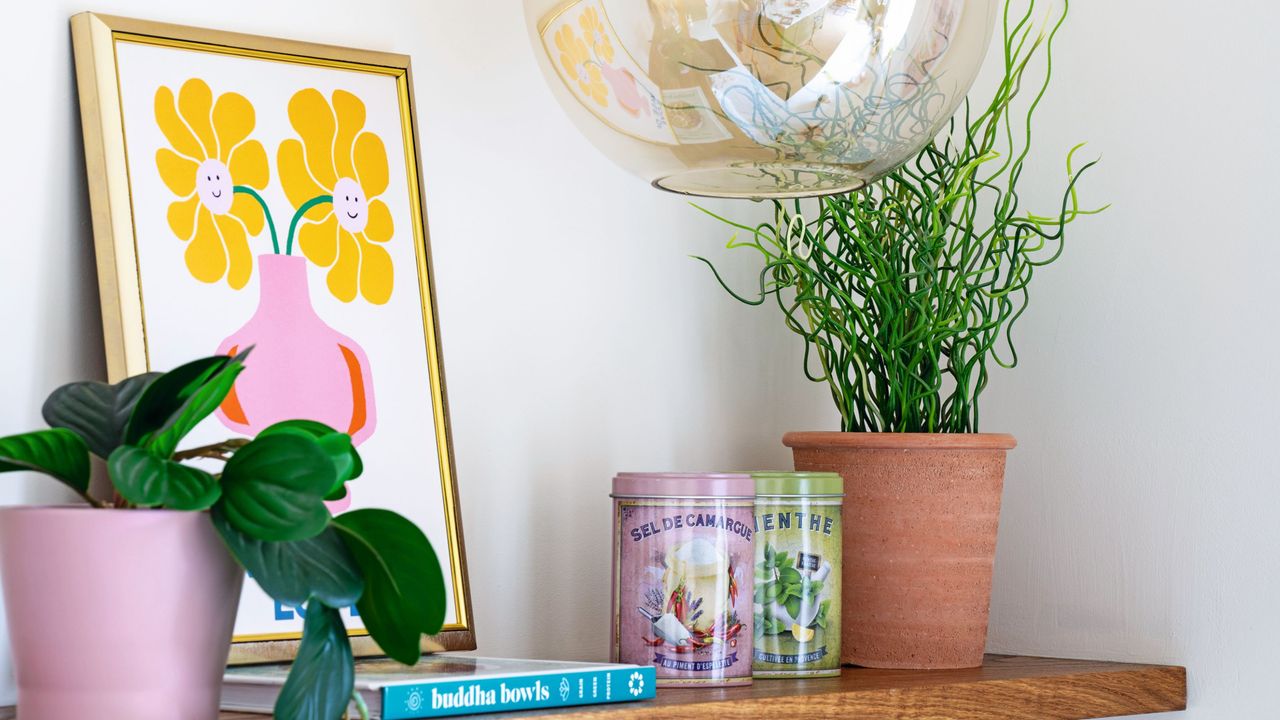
<point>678,603</point>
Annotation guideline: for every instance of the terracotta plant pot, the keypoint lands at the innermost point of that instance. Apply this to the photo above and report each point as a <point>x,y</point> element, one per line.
<point>117,614</point>
<point>920,519</point>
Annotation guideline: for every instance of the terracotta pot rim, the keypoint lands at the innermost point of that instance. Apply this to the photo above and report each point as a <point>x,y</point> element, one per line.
<point>900,441</point>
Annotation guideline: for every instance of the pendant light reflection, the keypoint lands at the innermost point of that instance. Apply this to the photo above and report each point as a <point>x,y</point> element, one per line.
<point>760,98</point>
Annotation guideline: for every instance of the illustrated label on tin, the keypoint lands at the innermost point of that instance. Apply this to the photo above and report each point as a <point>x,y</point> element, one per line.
<point>682,587</point>
<point>797,588</point>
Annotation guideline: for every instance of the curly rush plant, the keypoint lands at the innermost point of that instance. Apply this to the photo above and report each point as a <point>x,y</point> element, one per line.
<point>907,289</point>
<point>267,504</point>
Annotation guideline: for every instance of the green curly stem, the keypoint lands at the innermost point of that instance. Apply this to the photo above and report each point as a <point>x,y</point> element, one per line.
<point>293,224</point>
<point>906,292</point>
<point>246,190</point>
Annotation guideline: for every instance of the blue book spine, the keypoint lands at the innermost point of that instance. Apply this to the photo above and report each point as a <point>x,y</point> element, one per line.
<point>521,692</point>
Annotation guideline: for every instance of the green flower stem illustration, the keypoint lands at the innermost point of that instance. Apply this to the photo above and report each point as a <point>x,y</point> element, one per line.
<point>293,224</point>
<point>246,190</point>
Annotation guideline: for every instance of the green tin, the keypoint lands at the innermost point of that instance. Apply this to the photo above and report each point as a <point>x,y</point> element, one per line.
<point>797,575</point>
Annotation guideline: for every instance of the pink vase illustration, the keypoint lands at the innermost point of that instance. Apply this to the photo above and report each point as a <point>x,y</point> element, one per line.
<point>626,89</point>
<point>300,367</point>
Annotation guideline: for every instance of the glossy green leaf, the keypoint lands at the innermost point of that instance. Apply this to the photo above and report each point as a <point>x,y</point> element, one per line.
<point>336,493</point>
<point>346,461</point>
<point>177,401</point>
<point>164,441</point>
<point>295,571</point>
<point>96,411</point>
<point>166,395</point>
<point>322,677</point>
<point>149,481</point>
<point>404,595</point>
<point>273,488</point>
<point>337,445</point>
<point>59,453</point>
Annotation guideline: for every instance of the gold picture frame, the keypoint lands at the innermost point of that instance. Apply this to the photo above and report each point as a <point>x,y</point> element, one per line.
<point>97,40</point>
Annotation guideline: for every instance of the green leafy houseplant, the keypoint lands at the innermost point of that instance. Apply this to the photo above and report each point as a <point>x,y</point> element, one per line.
<point>906,291</point>
<point>267,504</point>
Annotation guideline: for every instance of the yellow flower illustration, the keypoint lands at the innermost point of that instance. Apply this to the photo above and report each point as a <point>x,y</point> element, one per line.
<point>593,29</point>
<point>335,158</point>
<point>210,155</point>
<point>578,65</point>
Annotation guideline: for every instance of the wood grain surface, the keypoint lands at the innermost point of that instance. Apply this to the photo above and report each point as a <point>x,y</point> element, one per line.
<point>1005,688</point>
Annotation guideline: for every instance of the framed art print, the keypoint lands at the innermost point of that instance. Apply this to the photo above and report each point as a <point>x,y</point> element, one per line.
<point>250,192</point>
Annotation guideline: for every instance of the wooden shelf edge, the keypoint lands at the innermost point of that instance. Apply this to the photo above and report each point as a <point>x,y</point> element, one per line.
<point>1006,687</point>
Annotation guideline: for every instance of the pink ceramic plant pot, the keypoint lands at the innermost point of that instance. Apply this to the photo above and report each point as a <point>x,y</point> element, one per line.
<point>117,614</point>
<point>300,368</point>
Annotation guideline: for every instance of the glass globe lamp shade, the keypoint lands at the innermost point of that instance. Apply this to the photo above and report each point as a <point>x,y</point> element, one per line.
<point>760,98</point>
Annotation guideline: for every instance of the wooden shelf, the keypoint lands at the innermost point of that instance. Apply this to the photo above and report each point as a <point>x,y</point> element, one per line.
<point>1006,687</point>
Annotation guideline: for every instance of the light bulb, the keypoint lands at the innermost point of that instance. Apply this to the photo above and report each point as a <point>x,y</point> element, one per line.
<point>760,98</point>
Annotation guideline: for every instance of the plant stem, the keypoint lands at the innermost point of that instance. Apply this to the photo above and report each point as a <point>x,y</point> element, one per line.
<point>217,451</point>
<point>246,190</point>
<point>360,706</point>
<point>293,224</point>
<point>93,502</point>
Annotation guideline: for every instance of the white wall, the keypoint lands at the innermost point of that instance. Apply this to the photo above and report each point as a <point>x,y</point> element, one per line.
<point>1139,508</point>
<point>580,340</point>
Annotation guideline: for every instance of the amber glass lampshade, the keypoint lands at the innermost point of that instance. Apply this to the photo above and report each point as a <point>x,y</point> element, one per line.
<point>760,98</point>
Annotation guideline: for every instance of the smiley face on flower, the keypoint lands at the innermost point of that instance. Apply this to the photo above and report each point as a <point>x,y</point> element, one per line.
<point>209,155</point>
<point>333,174</point>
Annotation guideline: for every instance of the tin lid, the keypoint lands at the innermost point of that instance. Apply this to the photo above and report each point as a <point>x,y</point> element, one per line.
<point>798,483</point>
<point>655,484</point>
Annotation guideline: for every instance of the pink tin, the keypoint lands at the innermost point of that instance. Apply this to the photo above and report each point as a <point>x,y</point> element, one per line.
<point>682,576</point>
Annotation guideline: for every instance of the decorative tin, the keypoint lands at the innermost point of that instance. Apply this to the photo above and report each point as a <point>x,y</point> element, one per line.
<point>797,574</point>
<point>682,583</point>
